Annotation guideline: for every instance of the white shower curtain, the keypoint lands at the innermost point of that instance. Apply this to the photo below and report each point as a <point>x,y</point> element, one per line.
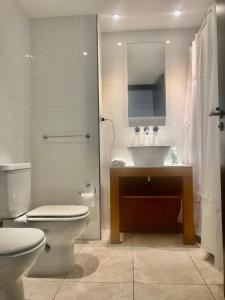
<point>204,136</point>
<point>192,154</point>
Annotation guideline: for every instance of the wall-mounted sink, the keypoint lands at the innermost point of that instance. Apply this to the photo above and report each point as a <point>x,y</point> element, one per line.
<point>145,156</point>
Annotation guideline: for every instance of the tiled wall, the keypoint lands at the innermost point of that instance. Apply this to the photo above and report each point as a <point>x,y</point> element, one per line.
<point>14,83</point>
<point>115,97</point>
<point>65,101</point>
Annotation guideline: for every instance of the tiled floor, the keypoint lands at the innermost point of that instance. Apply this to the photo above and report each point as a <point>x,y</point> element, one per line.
<point>143,267</point>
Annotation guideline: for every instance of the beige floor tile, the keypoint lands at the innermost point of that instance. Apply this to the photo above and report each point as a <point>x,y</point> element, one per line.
<point>77,247</point>
<point>40,289</point>
<point>103,264</point>
<point>171,292</point>
<point>164,266</point>
<point>95,291</point>
<point>127,240</point>
<point>205,266</point>
<point>100,243</point>
<point>164,241</point>
<point>217,291</point>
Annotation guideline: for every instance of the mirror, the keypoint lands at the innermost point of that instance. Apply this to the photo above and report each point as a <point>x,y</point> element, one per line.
<point>146,84</point>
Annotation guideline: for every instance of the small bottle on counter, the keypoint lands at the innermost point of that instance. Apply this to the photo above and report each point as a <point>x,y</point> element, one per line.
<point>174,156</point>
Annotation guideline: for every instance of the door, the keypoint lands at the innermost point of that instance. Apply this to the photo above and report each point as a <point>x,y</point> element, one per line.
<point>220,111</point>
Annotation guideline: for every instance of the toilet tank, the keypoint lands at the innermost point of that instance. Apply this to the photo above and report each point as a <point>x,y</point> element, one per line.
<point>15,189</point>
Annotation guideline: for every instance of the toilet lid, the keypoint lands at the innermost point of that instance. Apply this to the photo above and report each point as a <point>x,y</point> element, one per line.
<point>58,211</point>
<point>18,240</point>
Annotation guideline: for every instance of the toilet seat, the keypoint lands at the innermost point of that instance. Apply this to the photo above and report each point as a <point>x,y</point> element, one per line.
<point>58,213</point>
<point>16,241</point>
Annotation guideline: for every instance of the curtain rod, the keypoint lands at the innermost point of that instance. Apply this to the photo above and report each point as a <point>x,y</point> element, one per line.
<point>206,17</point>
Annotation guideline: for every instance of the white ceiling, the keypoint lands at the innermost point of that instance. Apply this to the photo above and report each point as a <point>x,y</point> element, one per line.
<point>136,14</point>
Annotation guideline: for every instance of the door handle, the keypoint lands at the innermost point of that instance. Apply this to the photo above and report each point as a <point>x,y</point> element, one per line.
<point>217,112</point>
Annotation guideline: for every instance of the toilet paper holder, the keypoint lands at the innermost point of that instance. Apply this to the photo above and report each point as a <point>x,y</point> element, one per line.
<point>88,189</point>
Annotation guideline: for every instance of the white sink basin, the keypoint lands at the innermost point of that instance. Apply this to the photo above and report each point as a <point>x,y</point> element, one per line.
<point>149,156</point>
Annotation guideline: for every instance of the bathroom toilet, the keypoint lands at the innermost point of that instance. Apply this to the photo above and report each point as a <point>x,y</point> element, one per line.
<point>19,250</point>
<point>62,224</point>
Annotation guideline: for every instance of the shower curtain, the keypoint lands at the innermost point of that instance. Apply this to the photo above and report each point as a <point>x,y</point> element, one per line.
<point>203,133</point>
<point>192,146</point>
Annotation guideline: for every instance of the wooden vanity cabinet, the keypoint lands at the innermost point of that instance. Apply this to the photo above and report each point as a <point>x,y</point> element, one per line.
<point>150,199</point>
<point>150,204</point>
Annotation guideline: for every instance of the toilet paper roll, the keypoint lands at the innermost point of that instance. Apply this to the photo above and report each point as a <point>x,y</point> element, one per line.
<point>88,199</point>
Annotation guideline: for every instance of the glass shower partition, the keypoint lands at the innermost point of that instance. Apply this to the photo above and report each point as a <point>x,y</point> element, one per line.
<point>65,114</point>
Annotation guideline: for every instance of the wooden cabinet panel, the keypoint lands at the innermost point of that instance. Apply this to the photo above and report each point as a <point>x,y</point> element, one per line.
<point>150,213</point>
<point>156,186</point>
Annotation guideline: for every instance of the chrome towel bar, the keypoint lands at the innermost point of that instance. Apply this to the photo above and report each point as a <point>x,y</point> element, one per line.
<point>45,136</point>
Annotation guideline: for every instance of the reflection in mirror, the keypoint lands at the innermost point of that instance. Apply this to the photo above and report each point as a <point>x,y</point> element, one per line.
<point>146,84</point>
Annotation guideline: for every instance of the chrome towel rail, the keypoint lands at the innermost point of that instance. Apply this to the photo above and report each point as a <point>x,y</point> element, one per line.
<point>45,136</point>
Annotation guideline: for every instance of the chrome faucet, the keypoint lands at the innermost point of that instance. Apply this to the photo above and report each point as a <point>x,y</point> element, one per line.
<point>137,129</point>
<point>146,130</point>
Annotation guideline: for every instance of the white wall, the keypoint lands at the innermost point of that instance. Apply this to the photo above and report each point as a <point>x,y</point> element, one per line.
<point>115,97</point>
<point>14,83</point>
<point>65,101</point>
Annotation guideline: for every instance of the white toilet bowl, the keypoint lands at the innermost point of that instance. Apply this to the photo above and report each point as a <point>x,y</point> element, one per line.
<point>19,250</point>
<point>62,224</point>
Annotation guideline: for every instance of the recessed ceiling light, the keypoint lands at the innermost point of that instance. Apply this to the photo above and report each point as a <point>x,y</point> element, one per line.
<point>29,56</point>
<point>85,53</point>
<point>168,42</point>
<point>116,17</point>
<point>177,13</point>
<point>119,44</point>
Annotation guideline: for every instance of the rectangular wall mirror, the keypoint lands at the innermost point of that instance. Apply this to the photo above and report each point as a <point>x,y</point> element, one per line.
<point>146,84</point>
